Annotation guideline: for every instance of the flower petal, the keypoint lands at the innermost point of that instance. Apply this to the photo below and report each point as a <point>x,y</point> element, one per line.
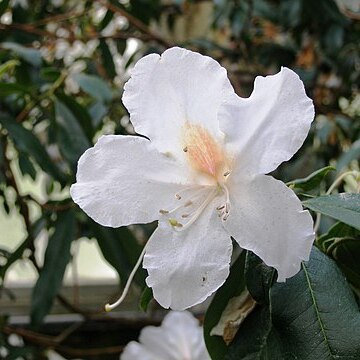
<point>164,92</point>
<point>185,267</point>
<point>124,180</point>
<point>267,218</point>
<point>270,126</point>
<point>178,337</point>
<point>135,351</point>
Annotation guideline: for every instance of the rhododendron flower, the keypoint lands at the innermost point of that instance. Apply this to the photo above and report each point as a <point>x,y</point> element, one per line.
<point>178,338</point>
<point>201,173</point>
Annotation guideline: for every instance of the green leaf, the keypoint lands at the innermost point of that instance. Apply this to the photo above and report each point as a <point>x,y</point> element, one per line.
<point>120,249</point>
<point>71,137</point>
<point>344,207</point>
<point>352,154</point>
<point>94,86</point>
<point>342,243</point>
<point>97,112</point>
<point>8,66</point>
<point>233,286</point>
<point>80,113</point>
<point>146,297</point>
<point>28,143</point>
<point>57,256</point>
<point>259,278</point>
<point>312,181</point>
<point>26,166</point>
<point>30,55</point>
<point>107,59</point>
<point>12,88</point>
<point>312,316</point>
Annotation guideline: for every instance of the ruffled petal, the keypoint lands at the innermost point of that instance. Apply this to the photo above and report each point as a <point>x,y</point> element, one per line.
<point>124,180</point>
<point>270,126</point>
<point>267,218</point>
<point>179,337</point>
<point>187,266</point>
<point>135,351</point>
<point>167,91</point>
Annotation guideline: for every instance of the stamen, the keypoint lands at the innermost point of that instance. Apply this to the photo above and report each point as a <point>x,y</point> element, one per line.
<point>199,210</point>
<point>224,210</point>
<point>226,173</point>
<point>184,216</point>
<point>163,212</point>
<point>185,149</point>
<point>178,196</point>
<point>109,307</point>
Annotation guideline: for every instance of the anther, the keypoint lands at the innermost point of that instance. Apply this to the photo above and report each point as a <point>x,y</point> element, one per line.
<point>185,149</point>
<point>226,173</point>
<point>163,212</point>
<point>178,196</point>
<point>220,207</point>
<point>184,216</point>
<point>188,203</point>
<point>173,222</point>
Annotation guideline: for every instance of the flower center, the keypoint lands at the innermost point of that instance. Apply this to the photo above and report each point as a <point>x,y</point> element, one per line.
<point>202,150</point>
<point>192,202</point>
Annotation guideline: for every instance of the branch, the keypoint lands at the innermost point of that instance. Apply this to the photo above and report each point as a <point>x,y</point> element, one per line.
<point>135,23</point>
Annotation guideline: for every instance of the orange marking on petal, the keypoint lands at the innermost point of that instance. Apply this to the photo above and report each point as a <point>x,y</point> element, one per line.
<point>202,150</point>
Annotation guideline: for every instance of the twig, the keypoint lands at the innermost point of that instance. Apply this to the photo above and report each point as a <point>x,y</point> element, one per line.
<point>135,23</point>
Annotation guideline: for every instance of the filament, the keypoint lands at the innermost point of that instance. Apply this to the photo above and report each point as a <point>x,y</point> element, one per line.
<point>109,307</point>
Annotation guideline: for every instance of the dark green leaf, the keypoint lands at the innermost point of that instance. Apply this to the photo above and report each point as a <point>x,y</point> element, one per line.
<point>146,297</point>
<point>106,20</point>
<point>12,88</point>
<point>312,181</point>
<point>27,142</point>
<point>312,316</point>
<point>94,86</point>
<point>344,207</point>
<point>120,249</point>
<point>315,312</point>
<point>233,286</point>
<point>107,59</point>
<point>259,278</point>
<point>26,166</point>
<point>80,113</point>
<point>71,137</point>
<point>3,6</point>
<point>342,243</point>
<point>57,256</point>
<point>97,112</point>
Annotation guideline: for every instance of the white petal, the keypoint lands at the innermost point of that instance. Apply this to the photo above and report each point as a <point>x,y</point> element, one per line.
<point>270,126</point>
<point>166,91</point>
<point>185,267</point>
<point>179,337</point>
<point>124,180</point>
<point>136,351</point>
<point>267,218</point>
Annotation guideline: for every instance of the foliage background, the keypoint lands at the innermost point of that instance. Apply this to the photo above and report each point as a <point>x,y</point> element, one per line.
<point>63,66</point>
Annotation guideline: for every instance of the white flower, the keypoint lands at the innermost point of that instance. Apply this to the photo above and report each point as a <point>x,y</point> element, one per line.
<point>178,338</point>
<point>201,174</point>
